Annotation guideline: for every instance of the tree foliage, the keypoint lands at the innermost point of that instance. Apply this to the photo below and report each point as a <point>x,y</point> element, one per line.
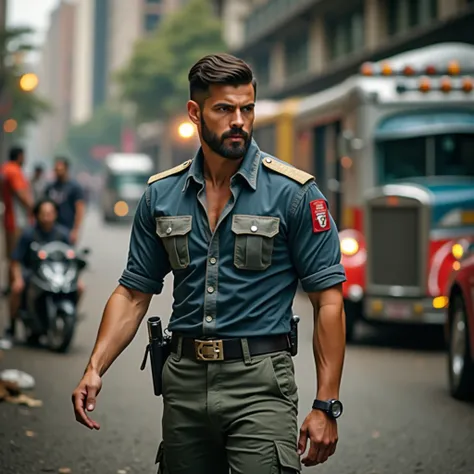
<point>23,106</point>
<point>103,129</point>
<point>156,78</point>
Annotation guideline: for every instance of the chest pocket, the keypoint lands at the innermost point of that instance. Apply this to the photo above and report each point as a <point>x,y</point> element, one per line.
<point>254,239</point>
<point>173,231</point>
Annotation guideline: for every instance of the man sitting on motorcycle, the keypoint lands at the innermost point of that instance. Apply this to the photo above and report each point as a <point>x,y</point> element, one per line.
<point>45,230</point>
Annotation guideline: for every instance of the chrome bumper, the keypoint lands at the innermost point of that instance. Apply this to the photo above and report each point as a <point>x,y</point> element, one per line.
<point>403,310</point>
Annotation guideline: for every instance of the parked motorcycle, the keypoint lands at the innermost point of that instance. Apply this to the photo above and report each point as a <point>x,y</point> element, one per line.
<point>50,301</point>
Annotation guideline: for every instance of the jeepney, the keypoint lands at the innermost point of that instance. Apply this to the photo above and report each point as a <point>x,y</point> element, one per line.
<point>392,148</point>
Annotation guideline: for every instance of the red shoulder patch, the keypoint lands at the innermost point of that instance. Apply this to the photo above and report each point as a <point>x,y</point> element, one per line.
<point>320,216</point>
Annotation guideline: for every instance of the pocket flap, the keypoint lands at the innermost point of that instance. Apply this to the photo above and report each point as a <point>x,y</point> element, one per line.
<point>265,226</point>
<point>173,225</point>
<point>288,457</point>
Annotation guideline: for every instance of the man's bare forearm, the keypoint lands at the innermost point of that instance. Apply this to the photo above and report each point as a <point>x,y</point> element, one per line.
<point>15,269</point>
<point>122,316</point>
<point>329,348</point>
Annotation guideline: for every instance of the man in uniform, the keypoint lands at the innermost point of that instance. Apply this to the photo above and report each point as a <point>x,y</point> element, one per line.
<point>238,228</point>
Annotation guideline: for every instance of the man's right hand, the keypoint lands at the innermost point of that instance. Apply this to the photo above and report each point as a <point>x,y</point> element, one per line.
<point>84,398</point>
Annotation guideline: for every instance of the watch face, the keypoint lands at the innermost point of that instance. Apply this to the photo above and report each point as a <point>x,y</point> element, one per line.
<point>336,409</point>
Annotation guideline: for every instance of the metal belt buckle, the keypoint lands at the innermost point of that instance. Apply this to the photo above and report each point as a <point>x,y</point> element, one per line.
<point>209,350</point>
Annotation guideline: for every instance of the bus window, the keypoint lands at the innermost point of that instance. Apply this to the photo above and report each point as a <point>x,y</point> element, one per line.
<point>402,159</point>
<point>439,155</point>
<point>454,155</point>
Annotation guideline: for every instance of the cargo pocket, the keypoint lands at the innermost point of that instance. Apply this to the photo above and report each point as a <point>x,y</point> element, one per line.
<point>173,232</point>
<point>160,460</point>
<point>286,459</point>
<point>254,237</point>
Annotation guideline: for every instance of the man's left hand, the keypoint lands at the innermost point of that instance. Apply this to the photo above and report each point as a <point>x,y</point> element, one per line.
<point>322,433</point>
<point>73,236</point>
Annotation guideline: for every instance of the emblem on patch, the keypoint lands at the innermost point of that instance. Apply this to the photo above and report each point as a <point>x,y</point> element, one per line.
<point>320,215</point>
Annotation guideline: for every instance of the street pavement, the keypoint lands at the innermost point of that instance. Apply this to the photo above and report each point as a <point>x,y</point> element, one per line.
<point>398,416</point>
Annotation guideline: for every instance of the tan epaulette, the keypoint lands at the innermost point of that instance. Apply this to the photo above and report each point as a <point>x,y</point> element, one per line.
<point>294,173</point>
<point>170,172</point>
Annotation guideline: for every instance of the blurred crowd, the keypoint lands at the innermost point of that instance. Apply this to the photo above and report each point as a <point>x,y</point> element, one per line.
<point>38,207</point>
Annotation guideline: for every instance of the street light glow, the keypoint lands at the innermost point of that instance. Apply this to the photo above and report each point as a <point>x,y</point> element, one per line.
<point>10,125</point>
<point>186,130</point>
<point>29,82</point>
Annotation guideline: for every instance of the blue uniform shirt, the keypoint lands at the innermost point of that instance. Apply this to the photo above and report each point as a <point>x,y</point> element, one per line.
<point>65,195</point>
<point>239,281</point>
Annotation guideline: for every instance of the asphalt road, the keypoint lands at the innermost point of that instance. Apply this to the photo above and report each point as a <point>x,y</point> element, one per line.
<point>398,415</point>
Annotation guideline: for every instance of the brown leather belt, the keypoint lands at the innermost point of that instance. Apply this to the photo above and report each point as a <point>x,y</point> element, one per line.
<point>209,350</point>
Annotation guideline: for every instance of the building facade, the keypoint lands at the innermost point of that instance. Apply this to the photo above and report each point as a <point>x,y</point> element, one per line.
<point>90,58</point>
<point>55,74</point>
<point>303,46</point>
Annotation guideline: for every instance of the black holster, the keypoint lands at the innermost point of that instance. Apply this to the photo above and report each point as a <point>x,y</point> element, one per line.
<point>293,335</point>
<point>159,348</point>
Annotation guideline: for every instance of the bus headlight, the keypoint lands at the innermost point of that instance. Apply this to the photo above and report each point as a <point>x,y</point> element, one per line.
<point>121,209</point>
<point>458,251</point>
<point>349,246</point>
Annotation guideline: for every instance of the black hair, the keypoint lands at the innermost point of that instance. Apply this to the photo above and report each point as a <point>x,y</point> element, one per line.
<point>63,160</point>
<point>39,167</point>
<point>15,153</point>
<point>222,69</point>
<point>39,204</point>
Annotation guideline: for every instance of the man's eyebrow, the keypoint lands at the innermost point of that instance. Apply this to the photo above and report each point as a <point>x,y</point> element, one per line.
<point>226,104</point>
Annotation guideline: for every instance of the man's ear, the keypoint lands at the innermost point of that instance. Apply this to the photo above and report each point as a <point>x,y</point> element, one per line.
<point>194,112</point>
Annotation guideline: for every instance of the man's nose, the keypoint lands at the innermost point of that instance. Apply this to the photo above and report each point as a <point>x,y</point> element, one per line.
<point>237,120</point>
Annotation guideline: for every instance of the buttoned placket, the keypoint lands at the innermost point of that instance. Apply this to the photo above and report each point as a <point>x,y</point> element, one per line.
<point>211,288</point>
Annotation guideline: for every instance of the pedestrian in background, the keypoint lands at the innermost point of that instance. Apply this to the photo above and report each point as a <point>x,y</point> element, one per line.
<point>69,197</point>
<point>18,202</point>
<point>38,183</point>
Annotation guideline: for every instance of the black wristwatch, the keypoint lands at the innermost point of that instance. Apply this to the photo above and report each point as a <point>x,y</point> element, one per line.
<point>333,408</point>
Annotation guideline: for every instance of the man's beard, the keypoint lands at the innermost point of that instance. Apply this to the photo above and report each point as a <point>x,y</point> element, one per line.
<point>233,150</point>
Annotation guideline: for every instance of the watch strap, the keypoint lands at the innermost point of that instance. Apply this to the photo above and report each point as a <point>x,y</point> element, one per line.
<point>321,405</point>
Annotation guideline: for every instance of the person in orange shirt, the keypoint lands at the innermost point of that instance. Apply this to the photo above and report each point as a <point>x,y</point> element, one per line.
<point>18,202</point>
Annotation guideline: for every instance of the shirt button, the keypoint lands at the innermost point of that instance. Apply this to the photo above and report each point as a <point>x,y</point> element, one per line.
<point>254,228</point>
<point>210,289</point>
<point>209,319</point>
<point>168,230</point>
<point>213,261</point>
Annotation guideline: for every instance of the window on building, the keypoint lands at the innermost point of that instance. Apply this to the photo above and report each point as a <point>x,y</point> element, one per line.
<point>261,66</point>
<point>297,54</point>
<point>406,14</point>
<point>346,33</point>
<point>151,21</point>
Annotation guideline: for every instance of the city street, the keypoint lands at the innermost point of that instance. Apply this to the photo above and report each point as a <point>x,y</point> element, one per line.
<point>398,419</point>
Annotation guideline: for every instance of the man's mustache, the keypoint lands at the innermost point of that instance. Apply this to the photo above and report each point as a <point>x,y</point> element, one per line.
<point>235,132</point>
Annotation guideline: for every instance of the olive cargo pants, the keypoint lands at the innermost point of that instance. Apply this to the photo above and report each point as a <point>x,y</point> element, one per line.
<point>229,416</point>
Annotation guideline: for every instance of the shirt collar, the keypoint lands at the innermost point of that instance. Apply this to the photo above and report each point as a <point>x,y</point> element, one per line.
<point>248,168</point>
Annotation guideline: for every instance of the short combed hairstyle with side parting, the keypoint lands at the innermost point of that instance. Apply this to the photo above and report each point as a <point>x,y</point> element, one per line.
<point>218,69</point>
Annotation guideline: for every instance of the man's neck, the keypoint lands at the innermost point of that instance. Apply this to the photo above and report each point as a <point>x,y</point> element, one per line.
<point>218,170</point>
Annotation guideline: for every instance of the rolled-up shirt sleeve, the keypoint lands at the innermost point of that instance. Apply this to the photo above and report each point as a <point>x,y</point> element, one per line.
<point>147,263</point>
<point>314,241</point>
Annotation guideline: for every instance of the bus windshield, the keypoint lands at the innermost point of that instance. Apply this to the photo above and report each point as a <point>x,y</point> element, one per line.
<point>437,155</point>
